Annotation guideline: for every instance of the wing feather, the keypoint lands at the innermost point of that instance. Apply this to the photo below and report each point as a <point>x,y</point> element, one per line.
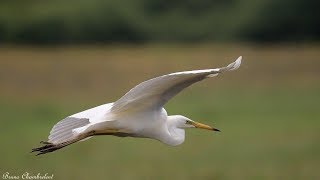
<point>154,93</point>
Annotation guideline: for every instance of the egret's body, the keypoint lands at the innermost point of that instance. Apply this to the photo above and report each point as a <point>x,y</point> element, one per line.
<point>139,113</point>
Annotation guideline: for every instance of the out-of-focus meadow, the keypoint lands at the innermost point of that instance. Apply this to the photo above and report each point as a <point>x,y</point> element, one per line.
<point>268,111</point>
<point>61,57</point>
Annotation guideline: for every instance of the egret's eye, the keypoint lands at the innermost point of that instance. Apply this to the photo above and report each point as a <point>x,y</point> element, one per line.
<point>188,122</point>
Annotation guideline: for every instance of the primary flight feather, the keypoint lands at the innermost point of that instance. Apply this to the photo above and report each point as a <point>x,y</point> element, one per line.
<point>139,113</point>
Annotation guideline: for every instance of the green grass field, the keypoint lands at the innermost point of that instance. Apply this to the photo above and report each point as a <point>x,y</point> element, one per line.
<point>268,112</point>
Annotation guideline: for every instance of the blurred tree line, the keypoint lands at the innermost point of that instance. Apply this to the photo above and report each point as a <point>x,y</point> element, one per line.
<point>138,21</point>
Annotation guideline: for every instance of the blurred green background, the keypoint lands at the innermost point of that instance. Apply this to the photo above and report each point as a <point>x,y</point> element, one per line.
<point>58,58</point>
<point>142,21</point>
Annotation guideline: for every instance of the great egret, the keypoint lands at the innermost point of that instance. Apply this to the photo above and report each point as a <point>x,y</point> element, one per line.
<point>139,113</point>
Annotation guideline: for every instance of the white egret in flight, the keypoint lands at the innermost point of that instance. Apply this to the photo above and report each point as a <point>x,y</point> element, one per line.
<point>139,113</point>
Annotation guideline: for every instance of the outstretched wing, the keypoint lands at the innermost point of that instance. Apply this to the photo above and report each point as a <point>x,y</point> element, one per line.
<point>154,93</point>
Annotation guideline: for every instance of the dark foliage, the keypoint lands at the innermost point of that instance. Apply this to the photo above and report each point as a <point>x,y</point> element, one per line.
<point>96,21</point>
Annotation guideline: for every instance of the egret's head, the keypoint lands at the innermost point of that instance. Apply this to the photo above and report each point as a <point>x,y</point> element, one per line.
<point>176,125</point>
<point>184,122</point>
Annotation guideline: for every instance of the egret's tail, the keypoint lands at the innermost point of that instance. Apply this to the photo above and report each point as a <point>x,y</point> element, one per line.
<point>62,134</point>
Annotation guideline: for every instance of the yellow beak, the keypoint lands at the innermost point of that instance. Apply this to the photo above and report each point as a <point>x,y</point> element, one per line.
<point>204,126</point>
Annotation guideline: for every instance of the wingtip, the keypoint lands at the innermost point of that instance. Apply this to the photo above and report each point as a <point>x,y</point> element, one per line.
<point>239,59</point>
<point>237,63</point>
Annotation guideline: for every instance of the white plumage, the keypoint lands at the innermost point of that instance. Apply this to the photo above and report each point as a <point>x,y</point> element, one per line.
<point>139,113</point>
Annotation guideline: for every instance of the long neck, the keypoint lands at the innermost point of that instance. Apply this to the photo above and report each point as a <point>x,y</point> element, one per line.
<point>174,135</point>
